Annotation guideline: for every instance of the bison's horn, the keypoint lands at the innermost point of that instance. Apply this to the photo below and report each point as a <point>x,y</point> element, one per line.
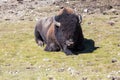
<point>55,22</point>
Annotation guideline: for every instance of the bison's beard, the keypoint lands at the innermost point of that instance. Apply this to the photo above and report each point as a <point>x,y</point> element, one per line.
<point>65,40</point>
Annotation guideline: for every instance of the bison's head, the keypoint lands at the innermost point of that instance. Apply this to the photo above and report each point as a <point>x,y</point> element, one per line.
<point>66,27</point>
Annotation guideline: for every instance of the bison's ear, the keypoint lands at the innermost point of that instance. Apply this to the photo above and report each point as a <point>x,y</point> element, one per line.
<point>80,18</point>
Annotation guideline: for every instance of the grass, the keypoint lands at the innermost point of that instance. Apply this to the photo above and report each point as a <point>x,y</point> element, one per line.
<point>22,59</point>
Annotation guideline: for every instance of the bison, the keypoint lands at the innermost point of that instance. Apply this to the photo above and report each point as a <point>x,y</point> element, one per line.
<point>60,32</point>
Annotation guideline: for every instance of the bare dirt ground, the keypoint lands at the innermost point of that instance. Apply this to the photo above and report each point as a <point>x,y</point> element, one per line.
<point>33,9</point>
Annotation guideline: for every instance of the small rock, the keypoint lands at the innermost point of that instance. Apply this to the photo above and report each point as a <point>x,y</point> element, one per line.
<point>90,23</point>
<point>48,69</point>
<point>7,19</point>
<point>109,7</point>
<point>29,67</point>
<point>85,10</point>
<point>69,69</point>
<point>84,78</point>
<point>67,2</point>
<point>118,45</point>
<point>114,60</point>
<point>115,11</point>
<point>21,19</point>
<point>20,1</point>
<point>13,72</point>
<point>72,71</point>
<point>61,70</point>
<point>111,23</point>
<point>51,78</point>
<point>46,59</point>
<point>113,17</point>
<point>108,76</point>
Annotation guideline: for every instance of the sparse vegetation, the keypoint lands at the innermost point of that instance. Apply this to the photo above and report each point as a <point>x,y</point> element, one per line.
<point>22,59</point>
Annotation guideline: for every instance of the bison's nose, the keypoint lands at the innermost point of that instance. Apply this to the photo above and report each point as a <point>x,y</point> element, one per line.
<point>69,42</point>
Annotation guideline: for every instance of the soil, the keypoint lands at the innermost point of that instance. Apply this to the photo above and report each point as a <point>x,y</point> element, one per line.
<point>32,9</point>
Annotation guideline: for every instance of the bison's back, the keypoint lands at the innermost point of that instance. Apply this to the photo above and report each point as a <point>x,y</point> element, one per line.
<point>43,25</point>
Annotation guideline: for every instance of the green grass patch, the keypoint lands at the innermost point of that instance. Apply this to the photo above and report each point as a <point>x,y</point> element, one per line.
<point>22,59</point>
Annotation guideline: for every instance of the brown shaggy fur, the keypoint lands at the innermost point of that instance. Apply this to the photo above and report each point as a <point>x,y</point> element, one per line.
<point>57,37</point>
<point>52,43</point>
<point>50,33</point>
<point>66,9</point>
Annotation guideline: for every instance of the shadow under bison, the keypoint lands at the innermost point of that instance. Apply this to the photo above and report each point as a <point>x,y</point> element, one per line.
<point>89,47</point>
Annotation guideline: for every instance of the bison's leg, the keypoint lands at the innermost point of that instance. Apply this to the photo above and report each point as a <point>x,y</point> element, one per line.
<point>66,50</point>
<point>52,47</point>
<point>38,38</point>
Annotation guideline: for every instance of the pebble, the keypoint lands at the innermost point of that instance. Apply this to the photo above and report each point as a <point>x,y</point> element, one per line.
<point>51,78</point>
<point>84,78</point>
<point>46,59</point>
<point>114,60</point>
<point>118,45</point>
<point>61,70</point>
<point>85,10</point>
<point>111,23</point>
